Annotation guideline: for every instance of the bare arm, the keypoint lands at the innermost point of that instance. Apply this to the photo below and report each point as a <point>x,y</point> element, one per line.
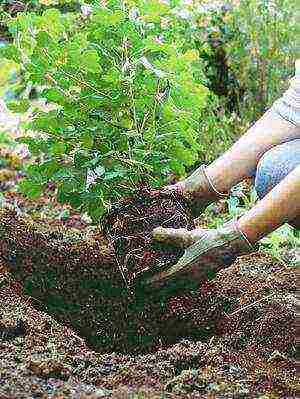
<point>276,126</point>
<point>280,205</point>
<point>241,159</point>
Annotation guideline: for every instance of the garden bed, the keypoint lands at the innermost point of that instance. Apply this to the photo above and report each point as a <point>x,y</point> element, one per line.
<point>249,353</point>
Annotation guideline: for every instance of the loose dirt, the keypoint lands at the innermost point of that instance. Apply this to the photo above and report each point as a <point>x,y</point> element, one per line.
<point>249,355</point>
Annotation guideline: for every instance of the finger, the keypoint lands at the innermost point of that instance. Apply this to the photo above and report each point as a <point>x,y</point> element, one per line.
<point>182,238</point>
<point>184,263</point>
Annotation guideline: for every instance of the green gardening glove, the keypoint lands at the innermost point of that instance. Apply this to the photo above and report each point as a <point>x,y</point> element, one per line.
<point>206,251</point>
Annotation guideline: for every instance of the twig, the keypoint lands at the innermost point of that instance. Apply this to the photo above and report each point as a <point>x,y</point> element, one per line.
<point>146,116</point>
<point>76,79</point>
<point>251,304</point>
<point>85,84</point>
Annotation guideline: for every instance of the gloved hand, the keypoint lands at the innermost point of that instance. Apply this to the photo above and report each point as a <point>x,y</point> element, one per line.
<point>197,189</point>
<point>206,251</point>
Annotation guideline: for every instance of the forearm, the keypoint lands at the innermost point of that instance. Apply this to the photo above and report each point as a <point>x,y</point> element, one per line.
<point>241,159</point>
<point>281,123</point>
<point>280,205</point>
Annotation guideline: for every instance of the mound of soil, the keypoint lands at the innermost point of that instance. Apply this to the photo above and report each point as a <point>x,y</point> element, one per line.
<point>74,277</point>
<point>84,280</point>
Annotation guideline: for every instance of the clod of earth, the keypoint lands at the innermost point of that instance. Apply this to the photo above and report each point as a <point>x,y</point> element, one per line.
<point>129,228</point>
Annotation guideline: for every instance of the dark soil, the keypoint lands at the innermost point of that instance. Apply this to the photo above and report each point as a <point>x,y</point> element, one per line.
<point>75,278</point>
<point>252,358</point>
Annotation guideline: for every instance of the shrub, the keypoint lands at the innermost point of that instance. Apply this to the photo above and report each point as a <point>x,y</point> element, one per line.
<point>142,91</point>
<point>128,90</point>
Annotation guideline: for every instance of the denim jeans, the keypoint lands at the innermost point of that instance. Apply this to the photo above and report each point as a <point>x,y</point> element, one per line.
<point>275,165</point>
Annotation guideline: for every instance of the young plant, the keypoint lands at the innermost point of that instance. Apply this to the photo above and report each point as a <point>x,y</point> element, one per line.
<point>127,89</point>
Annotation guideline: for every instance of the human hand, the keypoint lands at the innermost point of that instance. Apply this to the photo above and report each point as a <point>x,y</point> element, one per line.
<point>206,251</point>
<point>197,189</point>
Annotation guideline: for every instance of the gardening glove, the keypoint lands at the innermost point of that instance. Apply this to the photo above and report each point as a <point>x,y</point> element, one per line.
<point>197,189</point>
<point>206,251</point>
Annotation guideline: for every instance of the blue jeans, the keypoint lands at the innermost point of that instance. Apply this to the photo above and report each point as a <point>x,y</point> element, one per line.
<point>275,165</point>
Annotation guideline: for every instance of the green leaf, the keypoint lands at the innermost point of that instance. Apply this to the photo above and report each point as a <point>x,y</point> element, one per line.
<point>96,212</point>
<point>54,95</point>
<point>50,167</point>
<point>31,189</point>
<point>190,55</point>
<point>70,186</point>
<point>35,145</point>
<point>51,21</point>
<point>88,140</point>
<point>90,61</point>
<point>64,173</point>
<point>58,149</point>
<point>10,52</point>
<point>43,39</point>
<point>114,174</point>
<point>81,159</point>
<point>19,106</point>
<point>105,17</point>
<point>116,18</point>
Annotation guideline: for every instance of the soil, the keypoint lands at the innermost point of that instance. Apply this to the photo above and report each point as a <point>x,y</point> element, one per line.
<point>250,354</point>
<point>74,276</point>
<point>72,327</point>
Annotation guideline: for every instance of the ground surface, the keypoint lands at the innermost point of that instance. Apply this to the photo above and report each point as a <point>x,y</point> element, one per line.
<point>233,337</point>
<point>250,354</point>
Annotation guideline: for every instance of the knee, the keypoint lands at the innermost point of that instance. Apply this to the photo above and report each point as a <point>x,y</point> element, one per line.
<point>275,165</point>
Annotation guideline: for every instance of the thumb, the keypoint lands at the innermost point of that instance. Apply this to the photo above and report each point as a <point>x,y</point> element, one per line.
<point>182,238</point>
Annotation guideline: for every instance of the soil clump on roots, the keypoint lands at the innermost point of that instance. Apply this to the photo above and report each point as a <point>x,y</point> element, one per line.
<point>129,228</point>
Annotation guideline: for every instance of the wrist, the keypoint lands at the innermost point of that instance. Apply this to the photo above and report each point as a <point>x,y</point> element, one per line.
<point>200,182</point>
<point>248,231</point>
<point>238,239</point>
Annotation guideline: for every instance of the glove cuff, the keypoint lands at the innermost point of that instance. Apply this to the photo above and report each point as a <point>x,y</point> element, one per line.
<point>199,190</point>
<point>212,187</point>
<point>238,239</point>
<point>199,183</point>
